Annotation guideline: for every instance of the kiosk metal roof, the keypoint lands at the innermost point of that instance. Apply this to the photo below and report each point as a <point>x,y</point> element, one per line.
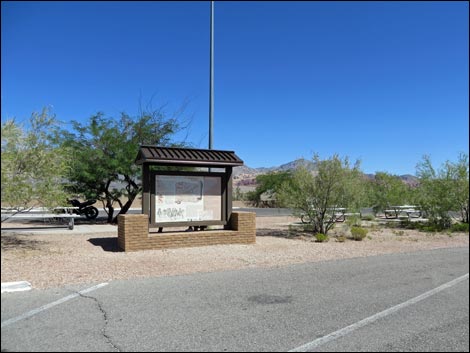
<point>187,156</point>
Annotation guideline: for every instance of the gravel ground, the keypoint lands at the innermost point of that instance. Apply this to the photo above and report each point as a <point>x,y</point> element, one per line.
<point>52,260</point>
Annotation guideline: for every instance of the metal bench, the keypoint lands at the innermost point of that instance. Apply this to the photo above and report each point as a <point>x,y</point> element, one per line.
<point>340,217</point>
<point>410,212</point>
<point>352,214</point>
<point>391,213</point>
<point>44,216</point>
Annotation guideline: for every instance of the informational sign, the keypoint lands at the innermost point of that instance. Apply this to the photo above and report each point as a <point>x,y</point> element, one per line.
<point>187,198</point>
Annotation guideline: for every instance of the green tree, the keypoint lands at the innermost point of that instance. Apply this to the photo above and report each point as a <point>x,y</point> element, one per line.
<point>267,187</point>
<point>444,189</point>
<point>317,195</point>
<point>461,172</point>
<point>387,189</point>
<point>238,195</point>
<point>34,167</point>
<point>106,149</point>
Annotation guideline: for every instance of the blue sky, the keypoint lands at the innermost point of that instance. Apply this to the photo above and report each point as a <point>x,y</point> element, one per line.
<point>383,82</point>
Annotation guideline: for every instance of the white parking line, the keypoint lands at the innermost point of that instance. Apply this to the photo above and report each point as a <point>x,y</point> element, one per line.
<point>348,329</point>
<point>50,305</point>
<point>18,286</point>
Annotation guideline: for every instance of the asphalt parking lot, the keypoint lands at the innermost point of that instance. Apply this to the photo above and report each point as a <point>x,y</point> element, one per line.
<point>398,302</point>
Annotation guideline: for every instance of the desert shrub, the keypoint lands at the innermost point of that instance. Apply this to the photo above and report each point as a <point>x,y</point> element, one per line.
<point>321,238</point>
<point>393,225</point>
<point>341,239</point>
<point>353,221</point>
<point>429,226</point>
<point>459,227</point>
<point>358,233</point>
<point>432,227</point>
<point>368,217</point>
<point>406,224</point>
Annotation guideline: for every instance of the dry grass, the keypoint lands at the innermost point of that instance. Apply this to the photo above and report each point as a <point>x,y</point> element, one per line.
<point>51,260</point>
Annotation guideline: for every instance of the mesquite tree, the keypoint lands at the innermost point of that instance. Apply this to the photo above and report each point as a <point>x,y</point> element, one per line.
<point>444,189</point>
<point>387,189</point>
<point>34,167</point>
<point>105,151</point>
<point>318,194</point>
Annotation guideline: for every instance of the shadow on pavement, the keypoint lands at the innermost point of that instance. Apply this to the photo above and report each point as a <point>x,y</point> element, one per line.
<point>97,220</point>
<point>107,244</point>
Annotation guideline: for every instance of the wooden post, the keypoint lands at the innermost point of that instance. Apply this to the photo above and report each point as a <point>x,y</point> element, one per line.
<point>146,189</point>
<point>228,195</point>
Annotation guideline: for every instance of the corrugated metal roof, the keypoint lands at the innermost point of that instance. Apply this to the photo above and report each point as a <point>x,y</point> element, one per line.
<point>189,156</point>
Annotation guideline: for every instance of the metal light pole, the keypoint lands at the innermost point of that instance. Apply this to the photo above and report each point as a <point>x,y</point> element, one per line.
<point>211,80</point>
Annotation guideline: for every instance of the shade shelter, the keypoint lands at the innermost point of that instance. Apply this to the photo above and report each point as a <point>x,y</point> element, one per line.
<point>186,186</point>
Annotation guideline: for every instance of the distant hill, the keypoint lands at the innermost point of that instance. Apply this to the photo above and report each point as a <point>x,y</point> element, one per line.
<point>410,179</point>
<point>245,170</point>
<point>282,168</point>
<point>290,166</point>
<point>246,176</point>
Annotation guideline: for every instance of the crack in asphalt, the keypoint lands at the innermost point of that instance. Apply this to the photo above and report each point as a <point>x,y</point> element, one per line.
<point>105,317</point>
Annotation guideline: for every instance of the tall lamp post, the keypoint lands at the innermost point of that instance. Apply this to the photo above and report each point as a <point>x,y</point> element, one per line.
<point>211,80</point>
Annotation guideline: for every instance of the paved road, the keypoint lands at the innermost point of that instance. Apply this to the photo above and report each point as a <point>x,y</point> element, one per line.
<point>276,309</point>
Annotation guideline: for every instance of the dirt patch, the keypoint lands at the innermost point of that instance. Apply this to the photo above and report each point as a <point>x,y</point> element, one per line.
<point>18,242</point>
<point>55,259</point>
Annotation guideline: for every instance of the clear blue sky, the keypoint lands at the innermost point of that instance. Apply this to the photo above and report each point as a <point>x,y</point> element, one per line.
<point>384,82</point>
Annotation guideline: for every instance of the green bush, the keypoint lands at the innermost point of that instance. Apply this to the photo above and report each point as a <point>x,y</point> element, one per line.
<point>368,217</point>
<point>406,224</point>
<point>321,238</point>
<point>358,233</point>
<point>459,227</point>
<point>353,221</point>
<point>430,226</point>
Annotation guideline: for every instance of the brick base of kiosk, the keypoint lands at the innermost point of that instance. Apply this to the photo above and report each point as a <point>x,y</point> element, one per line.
<point>133,233</point>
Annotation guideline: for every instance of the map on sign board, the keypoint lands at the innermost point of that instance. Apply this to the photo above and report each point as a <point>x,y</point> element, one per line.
<point>187,198</point>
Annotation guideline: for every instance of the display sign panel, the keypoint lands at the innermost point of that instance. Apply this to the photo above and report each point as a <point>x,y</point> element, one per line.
<point>187,198</point>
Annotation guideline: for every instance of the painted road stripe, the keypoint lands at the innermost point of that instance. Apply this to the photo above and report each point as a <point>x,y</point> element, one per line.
<point>348,329</point>
<point>16,286</point>
<point>50,305</point>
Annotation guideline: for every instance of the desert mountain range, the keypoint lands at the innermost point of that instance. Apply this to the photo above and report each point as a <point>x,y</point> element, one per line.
<point>245,177</point>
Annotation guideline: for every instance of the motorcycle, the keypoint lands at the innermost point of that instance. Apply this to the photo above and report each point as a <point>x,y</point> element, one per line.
<point>85,208</point>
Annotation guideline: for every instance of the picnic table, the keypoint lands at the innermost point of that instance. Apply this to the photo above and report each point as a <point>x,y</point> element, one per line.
<point>410,210</point>
<point>339,214</point>
<point>56,213</point>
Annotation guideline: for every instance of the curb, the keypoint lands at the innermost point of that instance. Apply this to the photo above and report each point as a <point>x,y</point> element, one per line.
<point>16,286</point>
